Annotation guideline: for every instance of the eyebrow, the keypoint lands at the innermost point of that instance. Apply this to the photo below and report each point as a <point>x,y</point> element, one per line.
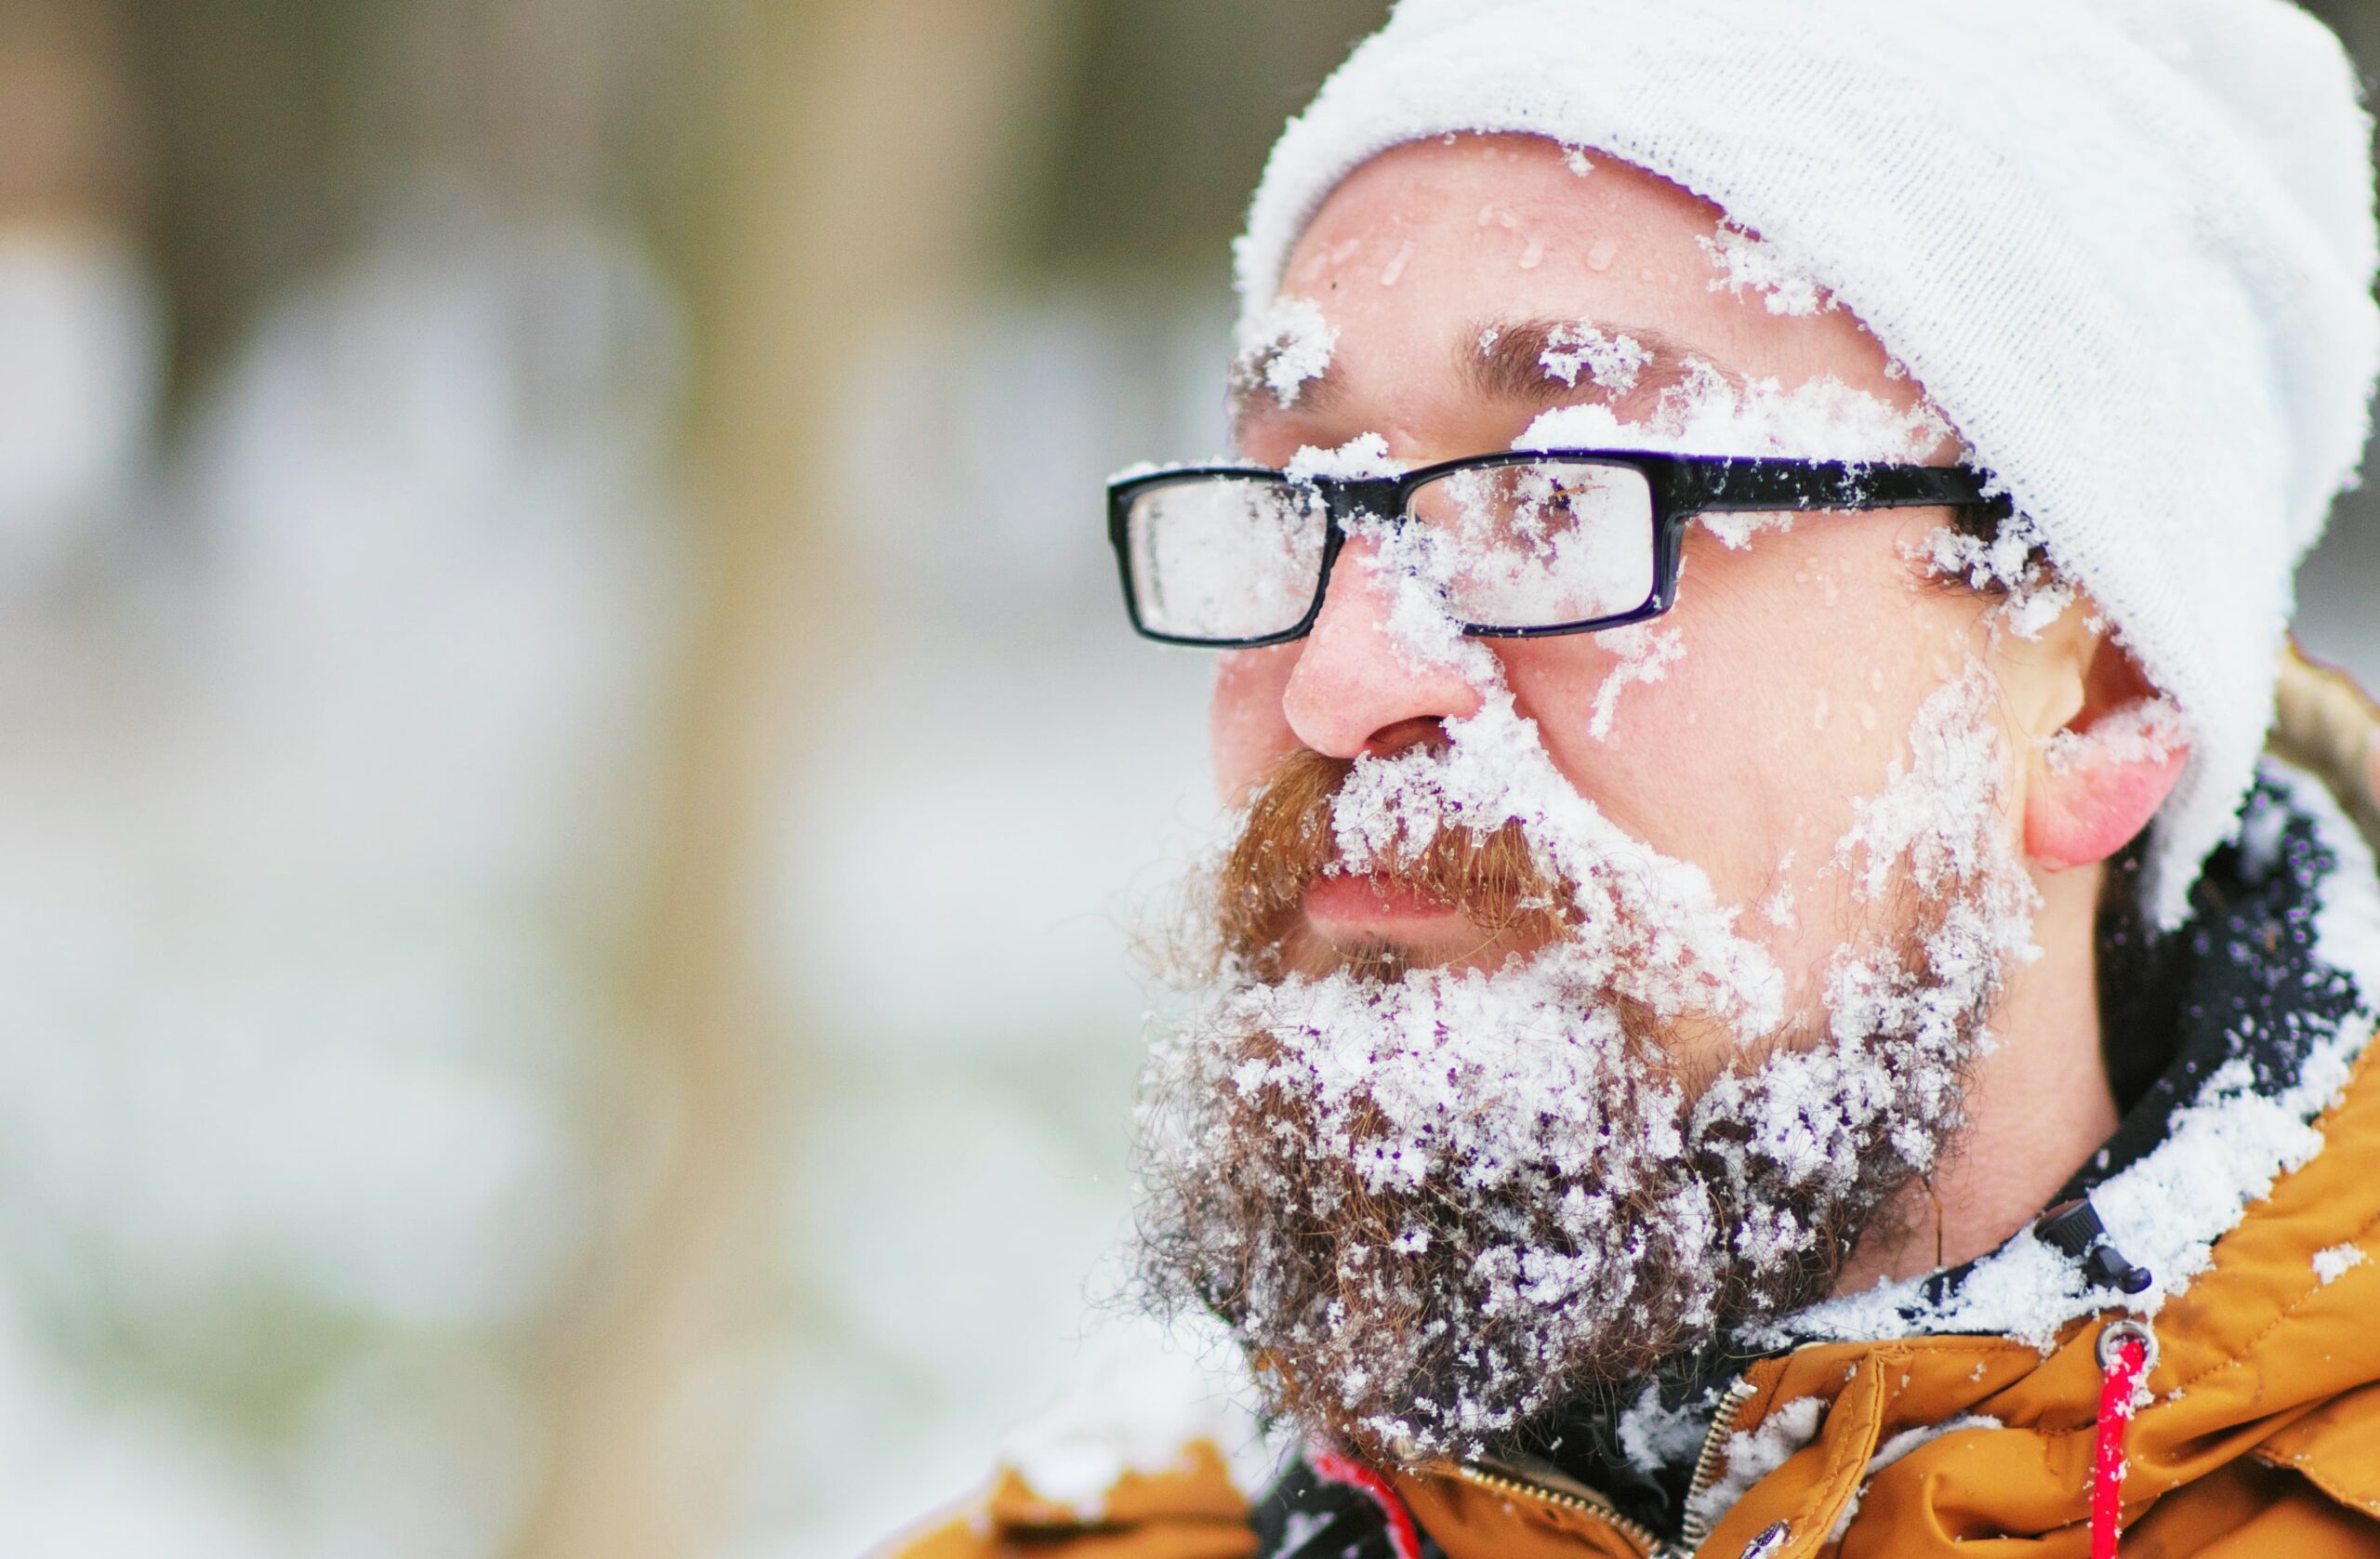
<point>1504,360</point>
<point>1251,396</point>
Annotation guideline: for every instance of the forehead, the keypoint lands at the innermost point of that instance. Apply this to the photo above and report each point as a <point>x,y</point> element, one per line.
<point>1514,205</point>
<point>1426,248</point>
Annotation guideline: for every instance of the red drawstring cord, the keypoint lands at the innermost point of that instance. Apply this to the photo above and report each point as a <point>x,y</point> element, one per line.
<point>2123,1359</point>
<point>1403,1533</point>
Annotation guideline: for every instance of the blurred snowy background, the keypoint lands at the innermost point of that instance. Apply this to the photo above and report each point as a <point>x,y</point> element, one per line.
<point>573,791</point>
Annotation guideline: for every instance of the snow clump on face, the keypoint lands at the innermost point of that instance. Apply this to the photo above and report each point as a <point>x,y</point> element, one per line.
<point>1283,346</point>
<point>1610,361</point>
<point>1365,455</point>
<point>1434,1203</point>
<point>1647,652</point>
<point>1745,261</point>
<point>1707,412</point>
<point>2013,561</point>
<point>2147,730</point>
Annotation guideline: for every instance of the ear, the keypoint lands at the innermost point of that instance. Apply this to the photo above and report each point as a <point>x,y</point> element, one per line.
<point>2096,782</point>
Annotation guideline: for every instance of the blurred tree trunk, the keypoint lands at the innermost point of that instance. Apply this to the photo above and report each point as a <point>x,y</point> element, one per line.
<point>70,159</point>
<point>869,145</point>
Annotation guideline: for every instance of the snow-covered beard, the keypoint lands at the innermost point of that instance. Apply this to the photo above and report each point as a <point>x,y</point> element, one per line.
<point>1434,1205</point>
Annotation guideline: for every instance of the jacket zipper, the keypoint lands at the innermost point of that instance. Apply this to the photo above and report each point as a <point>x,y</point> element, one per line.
<point>1694,1529</point>
<point>1648,1541</point>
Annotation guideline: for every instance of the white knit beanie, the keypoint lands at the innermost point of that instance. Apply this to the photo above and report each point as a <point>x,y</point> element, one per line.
<point>2127,246</point>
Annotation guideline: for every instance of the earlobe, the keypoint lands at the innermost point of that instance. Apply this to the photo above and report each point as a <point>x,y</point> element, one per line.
<point>2096,802</point>
<point>2096,782</point>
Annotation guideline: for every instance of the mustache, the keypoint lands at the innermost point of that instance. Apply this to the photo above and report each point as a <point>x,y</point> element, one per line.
<point>1288,841</point>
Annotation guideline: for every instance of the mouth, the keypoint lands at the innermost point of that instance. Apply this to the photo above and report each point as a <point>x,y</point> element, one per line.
<point>1384,927</point>
<point>1288,902</point>
<point>1369,906</point>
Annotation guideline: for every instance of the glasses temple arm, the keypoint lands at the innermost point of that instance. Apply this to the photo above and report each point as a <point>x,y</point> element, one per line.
<point>1708,486</point>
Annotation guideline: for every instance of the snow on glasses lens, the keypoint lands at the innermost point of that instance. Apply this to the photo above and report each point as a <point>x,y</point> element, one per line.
<point>1225,557</point>
<point>1540,544</point>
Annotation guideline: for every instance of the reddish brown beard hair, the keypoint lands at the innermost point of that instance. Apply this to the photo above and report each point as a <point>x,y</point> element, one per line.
<point>1262,1238</point>
<point>1289,842</point>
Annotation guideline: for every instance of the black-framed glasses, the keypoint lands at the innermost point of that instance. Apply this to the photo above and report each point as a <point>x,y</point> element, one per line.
<point>1520,545</point>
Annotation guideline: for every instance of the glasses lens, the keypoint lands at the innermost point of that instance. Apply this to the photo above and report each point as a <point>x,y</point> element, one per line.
<point>1224,557</point>
<point>1543,544</point>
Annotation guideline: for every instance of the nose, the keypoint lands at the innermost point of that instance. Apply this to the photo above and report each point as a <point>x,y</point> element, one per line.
<point>1355,688</point>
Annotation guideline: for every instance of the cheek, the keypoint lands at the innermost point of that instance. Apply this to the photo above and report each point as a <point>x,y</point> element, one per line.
<point>1246,730</point>
<point>1711,764</point>
<point>1786,705</point>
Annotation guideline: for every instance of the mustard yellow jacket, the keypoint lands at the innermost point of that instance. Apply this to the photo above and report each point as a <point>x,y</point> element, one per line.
<point>2261,1437</point>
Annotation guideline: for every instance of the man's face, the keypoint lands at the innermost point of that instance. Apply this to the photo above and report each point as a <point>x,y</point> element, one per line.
<point>1795,666</point>
<point>1582,997</point>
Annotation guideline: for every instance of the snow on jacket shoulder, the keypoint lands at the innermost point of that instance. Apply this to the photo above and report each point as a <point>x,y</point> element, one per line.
<point>2260,1434</point>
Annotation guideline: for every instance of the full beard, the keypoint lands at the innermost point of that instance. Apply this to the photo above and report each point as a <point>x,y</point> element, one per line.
<point>1435,1205</point>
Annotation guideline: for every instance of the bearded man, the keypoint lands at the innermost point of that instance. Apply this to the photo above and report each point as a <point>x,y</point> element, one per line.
<point>1761,998</point>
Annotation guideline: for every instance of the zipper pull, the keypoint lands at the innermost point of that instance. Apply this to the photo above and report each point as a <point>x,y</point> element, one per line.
<point>1770,1543</point>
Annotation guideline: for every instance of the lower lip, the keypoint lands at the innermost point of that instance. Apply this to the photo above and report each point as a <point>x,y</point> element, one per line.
<point>1367,901</point>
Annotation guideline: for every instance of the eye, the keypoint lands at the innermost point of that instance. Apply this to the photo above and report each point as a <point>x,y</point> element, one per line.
<point>1543,543</point>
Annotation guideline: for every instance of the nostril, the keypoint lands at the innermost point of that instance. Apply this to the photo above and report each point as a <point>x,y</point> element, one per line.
<point>1421,730</point>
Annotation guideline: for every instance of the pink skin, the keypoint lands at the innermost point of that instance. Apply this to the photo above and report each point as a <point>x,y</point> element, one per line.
<point>1352,908</point>
<point>1807,653</point>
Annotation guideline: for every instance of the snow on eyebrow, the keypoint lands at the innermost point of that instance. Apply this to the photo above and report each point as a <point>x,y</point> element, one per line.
<point>1746,261</point>
<point>1282,347</point>
<point>1707,413</point>
<point>1508,360</point>
<point>1611,363</point>
<point>1365,455</point>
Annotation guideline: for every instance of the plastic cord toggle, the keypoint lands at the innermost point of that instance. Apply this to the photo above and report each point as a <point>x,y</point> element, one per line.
<point>2074,1230</point>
